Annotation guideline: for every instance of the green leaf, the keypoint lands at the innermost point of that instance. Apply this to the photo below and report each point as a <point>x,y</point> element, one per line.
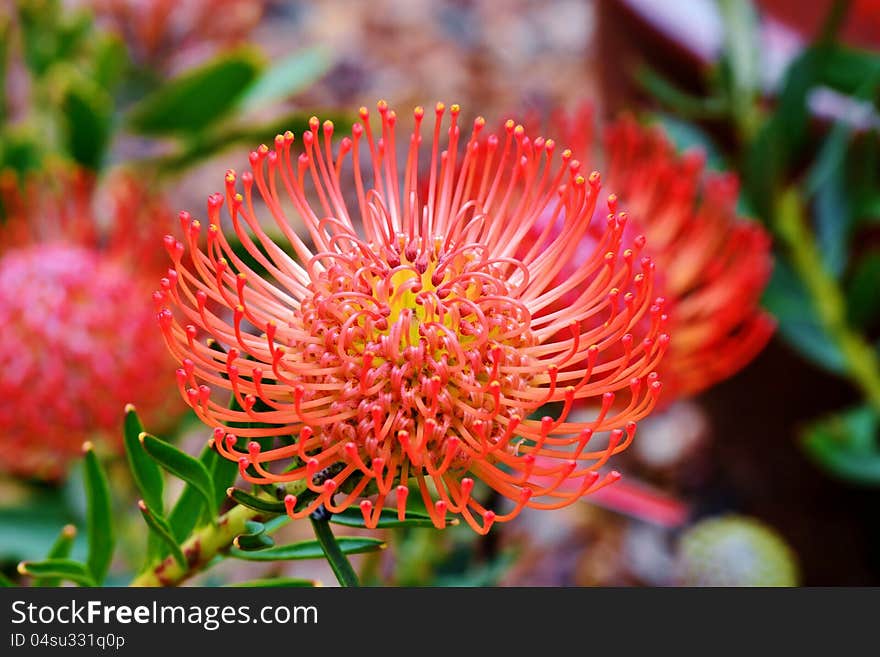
<point>254,537</point>
<point>681,102</point>
<point>781,137</point>
<point>286,77</point>
<point>160,528</point>
<point>352,517</point>
<point>64,569</point>
<point>183,466</point>
<point>88,117</point>
<point>256,503</point>
<point>846,445</point>
<point>309,549</point>
<point>60,550</point>
<point>834,222</point>
<point>5,582</point>
<point>847,70</point>
<point>741,57</point>
<point>99,516</point>
<point>686,136</point>
<point>146,474</point>
<point>862,299</point>
<point>198,98</point>
<point>186,512</point>
<point>789,302</point>
<point>228,136</point>
<point>277,582</point>
<point>190,506</point>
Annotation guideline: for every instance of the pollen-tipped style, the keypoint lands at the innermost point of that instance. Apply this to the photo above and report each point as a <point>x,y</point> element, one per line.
<point>401,337</point>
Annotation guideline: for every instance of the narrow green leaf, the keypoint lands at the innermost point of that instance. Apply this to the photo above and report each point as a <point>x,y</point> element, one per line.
<point>862,299</point>
<point>146,474</point>
<point>286,77</point>
<point>183,466</point>
<point>787,299</point>
<point>686,136</point>
<point>189,508</point>
<point>681,102</point>
<point>99,516</point>
<point>88,114</point>
<point>60,550</point>
<point>277,582</point>
<point>160,528</point>
<point>846,445</point>
<point>195,100</point>
<point>309,549</point>
<point>64,569</point>
<point>6,583</point>
<point>256,503</point>
<point>254,537</point>
<point>352,517</point>
<point>847,70</point>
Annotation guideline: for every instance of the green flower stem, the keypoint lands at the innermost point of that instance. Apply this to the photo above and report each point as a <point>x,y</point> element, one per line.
<point>338,561</point>
<point>206,543</point>
<point>199,549</point>
<point>828,300</point>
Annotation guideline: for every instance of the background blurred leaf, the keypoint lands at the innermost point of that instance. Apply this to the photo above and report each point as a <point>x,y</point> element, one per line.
<point>780,138</point>
<point>50,35</point>
<point>20,148</point>
<point>63,569</point>
<point>60,550</point>
<point>309,549</point>
<point>686,136</point>
<point>847,70</point>
<point>110,61</point>
<point>99,516</point>
<point>787,299</point>
<point>286,77</point>
<point>846,445</point>
<point>88,119</point>
<point>222,137</point>
<point>862,293</point>
<point>681,102</point>
<point>741,60</point>
<point>198,98</point>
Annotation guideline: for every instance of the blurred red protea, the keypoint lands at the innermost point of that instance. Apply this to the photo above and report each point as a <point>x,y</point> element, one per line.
<point>409,343</point>
<point>76,344</point>
<point>714,264</point>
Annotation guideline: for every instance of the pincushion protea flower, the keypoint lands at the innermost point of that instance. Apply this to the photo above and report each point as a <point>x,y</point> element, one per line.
<point>76,344</point>
<point>411,342</point>
<point>714,264</point>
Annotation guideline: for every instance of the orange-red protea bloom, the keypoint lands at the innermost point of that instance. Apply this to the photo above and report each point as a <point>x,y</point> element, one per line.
<point>412,341</point>
<point>714,264</point>
<point>76,344</point>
